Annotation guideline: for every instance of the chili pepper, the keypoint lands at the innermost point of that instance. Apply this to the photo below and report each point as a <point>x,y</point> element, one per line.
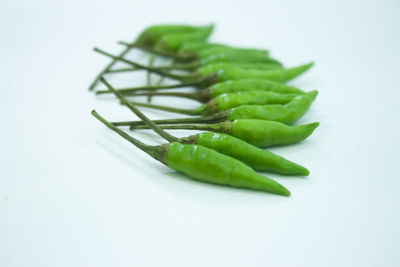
<point>151,35</point>
<point>288,113</point>
<point>191,50</point>
<point>228,101</point>
<point>260,133</point>
<point>204,164</point>
<point>170,42</point>
<point>216,74</point>
<point>204,95</point>
<point>255,157</point>
<point>230,56</point>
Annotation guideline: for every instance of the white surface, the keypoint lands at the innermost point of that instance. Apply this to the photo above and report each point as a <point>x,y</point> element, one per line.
<point>72,193</point>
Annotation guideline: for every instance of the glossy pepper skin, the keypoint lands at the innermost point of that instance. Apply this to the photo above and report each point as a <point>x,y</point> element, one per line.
<point>270,133</point>
<point>210,166</point>
<point>170,42</point>
<point>260,133</point>
<point>152,34</point>
<point>233,86</point>
<point>287,114</point>
<point>236,73</point>
<point>258,159</point>
<point>228,101</point>
<point>198,49</point>
<point>233,56</point>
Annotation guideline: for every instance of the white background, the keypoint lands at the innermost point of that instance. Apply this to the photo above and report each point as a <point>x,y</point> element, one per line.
<point>72,193</point>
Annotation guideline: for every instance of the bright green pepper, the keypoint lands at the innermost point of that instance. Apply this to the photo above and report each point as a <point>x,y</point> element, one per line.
<point>170,42</point>
<point>190,50</point>
<point>260,133</point>
<point>253,156</point>
<point>232,72</point>
<point>288,113</point>
<point>204,164</point>
<point>152,34</point>
<point>229,101</point>
<point>257,158</point>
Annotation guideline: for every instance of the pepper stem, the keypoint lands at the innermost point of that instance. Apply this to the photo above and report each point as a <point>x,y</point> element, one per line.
<point>218,117</point>
<point>201,127</point>
<point>122,70</point>
<point>108,67</point>
<point>150,50</point>
<point>166,108</point>
<point>194,96</point>
<point>151,69</point>
<point>149,88</point>
<point>151,150</point>
<point>146,120</point>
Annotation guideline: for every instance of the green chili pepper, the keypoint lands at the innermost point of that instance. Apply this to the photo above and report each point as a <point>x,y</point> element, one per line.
<point>288,113</point>
<point>228,101</point>
<point>204,164</point>
<point>170,42</point>
<point>190,50</point>
<point>151,35</point>
<point>260,133</point>
<point>217,74</point>
<point>204,95</point>
<point>253,156</point>
<point>245,59</point>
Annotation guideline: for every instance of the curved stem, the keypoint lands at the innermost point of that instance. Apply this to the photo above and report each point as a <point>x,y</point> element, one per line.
<point>149,49</point>
<point>149,88</point>
<point>218,117</point>
<point>151,69</point>
<point>201,127</point>
<point>148,76</point>
<point>122,70</point>
<point>108,67</point>
<point>166,108</point>
<point>146,120</point>
<point>157,84</point>
<point>194,96</point>
<point>146,148</point>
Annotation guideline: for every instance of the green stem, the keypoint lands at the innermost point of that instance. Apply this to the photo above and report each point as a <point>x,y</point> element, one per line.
<point>108,67</point>
<point>183,66</point>
<point>194,96</point>
<point>123,70</point>
<point>146,120</point>
<point>218,117</point>
<point>200,127</point>
<point>166,108</point>
<point>148,76</point>
<point>146,148</point>
<point>149,88</point>
<point>183,78</point>
<point>149,49</point>
<point>157,84</point>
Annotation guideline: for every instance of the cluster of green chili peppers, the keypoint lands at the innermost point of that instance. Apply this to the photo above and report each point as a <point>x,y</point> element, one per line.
<point>246,107</point>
